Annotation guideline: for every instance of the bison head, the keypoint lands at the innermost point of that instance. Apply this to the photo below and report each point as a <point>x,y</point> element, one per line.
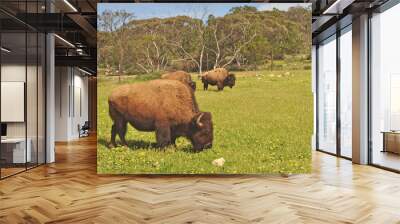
<point>230,80</point>
<point>203,78</point>
<point>202,131</point>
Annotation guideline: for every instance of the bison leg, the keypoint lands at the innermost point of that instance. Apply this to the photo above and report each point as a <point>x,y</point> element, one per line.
<point>163,135</point>
<point>173,140</point>
<point>220,86</point>
<point>122,126</point>
<point>113,134</point>
<point>205,85</point>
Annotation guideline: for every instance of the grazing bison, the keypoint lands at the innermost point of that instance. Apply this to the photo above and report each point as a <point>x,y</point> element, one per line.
<point>167,107</point>
<point>181,76</point>
<point>220,77</point>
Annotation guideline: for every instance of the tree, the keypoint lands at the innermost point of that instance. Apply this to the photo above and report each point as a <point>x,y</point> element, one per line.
<point>188,41</point>
<point>244,38</point>
<point>229,36</point>
<point>114,23</point>
<point>190,38</point>
<point>150,49</point>
<point>243,10</point>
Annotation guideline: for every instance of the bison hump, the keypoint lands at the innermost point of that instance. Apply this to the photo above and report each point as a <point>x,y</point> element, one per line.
<point>157,99</point>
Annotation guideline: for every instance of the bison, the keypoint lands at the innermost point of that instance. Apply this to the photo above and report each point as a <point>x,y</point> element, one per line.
<point>220,77</point>
<point>180,76</point>
<point>167,107</point>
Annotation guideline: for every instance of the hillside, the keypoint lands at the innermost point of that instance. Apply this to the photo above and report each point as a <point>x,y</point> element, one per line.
<point>243,39</point>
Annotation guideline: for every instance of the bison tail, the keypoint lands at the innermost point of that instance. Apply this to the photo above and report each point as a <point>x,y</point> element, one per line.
<point>112,111</point>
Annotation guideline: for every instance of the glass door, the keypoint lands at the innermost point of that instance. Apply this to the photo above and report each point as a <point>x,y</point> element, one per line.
<point>385,89</point>
<point>14,155</point>
<point>346,92</point>
<point>327,95</point>
<point>22,78</point>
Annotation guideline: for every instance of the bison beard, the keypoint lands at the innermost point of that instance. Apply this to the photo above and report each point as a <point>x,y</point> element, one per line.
<point>167,107</point>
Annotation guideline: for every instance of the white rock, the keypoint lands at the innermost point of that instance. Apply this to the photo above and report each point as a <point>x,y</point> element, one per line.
<point>218,162</point>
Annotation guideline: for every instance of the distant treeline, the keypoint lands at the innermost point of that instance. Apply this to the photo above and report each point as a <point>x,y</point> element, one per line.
<point>243,39</point>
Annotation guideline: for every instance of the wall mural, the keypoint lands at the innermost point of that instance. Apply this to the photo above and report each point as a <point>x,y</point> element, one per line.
<point>204,88</point>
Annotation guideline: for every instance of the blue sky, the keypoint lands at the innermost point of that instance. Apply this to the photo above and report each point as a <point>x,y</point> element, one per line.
<point>163,10</point>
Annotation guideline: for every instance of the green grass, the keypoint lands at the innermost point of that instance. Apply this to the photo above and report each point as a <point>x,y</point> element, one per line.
<point>262,125</point>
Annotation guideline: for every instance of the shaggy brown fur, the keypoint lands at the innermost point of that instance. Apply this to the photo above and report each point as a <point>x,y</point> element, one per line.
<point>220,77</point>
<point>181,76</point>
<point>167,107</point>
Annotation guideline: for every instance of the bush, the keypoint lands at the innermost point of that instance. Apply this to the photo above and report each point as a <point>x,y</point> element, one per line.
<point>238,68</point>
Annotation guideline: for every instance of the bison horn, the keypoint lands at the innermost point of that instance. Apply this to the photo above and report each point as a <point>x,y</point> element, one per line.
<point>198,121</point>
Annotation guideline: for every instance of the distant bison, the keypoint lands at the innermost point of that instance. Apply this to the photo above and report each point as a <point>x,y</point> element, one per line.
<point>220,77</point>
<point>167,107</point>
<point>181,76</point>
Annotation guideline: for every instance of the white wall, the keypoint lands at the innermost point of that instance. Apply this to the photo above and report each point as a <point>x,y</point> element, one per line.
<point>80,109</point>
<point>71,87</point>
<point>314,91</point>
<point>12,73</point>
<point>33,126</point>
<point>62,81</point>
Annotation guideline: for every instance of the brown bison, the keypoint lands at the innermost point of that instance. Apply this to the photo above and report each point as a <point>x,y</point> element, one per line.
<point>180,76</point>
<point>167,107</point>
<point>220,77</point>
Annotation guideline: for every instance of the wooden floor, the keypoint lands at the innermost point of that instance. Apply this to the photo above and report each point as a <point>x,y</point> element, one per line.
<point>69,191</point>
<point>5,172</point>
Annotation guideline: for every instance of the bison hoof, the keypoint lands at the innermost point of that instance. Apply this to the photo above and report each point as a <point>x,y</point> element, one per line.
<point>112,145</point>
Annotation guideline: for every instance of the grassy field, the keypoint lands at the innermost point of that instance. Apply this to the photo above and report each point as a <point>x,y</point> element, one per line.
<point>262,125</point>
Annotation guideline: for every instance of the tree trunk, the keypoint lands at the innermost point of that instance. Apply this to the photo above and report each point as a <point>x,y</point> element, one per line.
<point>238,63</point>
<point>207,62</point>
<point>272,60</point>
<point>119,72</point>
<point>201,61</point>
<point>142,67</point>
<point>215,64</point>
<point>255,57</point>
